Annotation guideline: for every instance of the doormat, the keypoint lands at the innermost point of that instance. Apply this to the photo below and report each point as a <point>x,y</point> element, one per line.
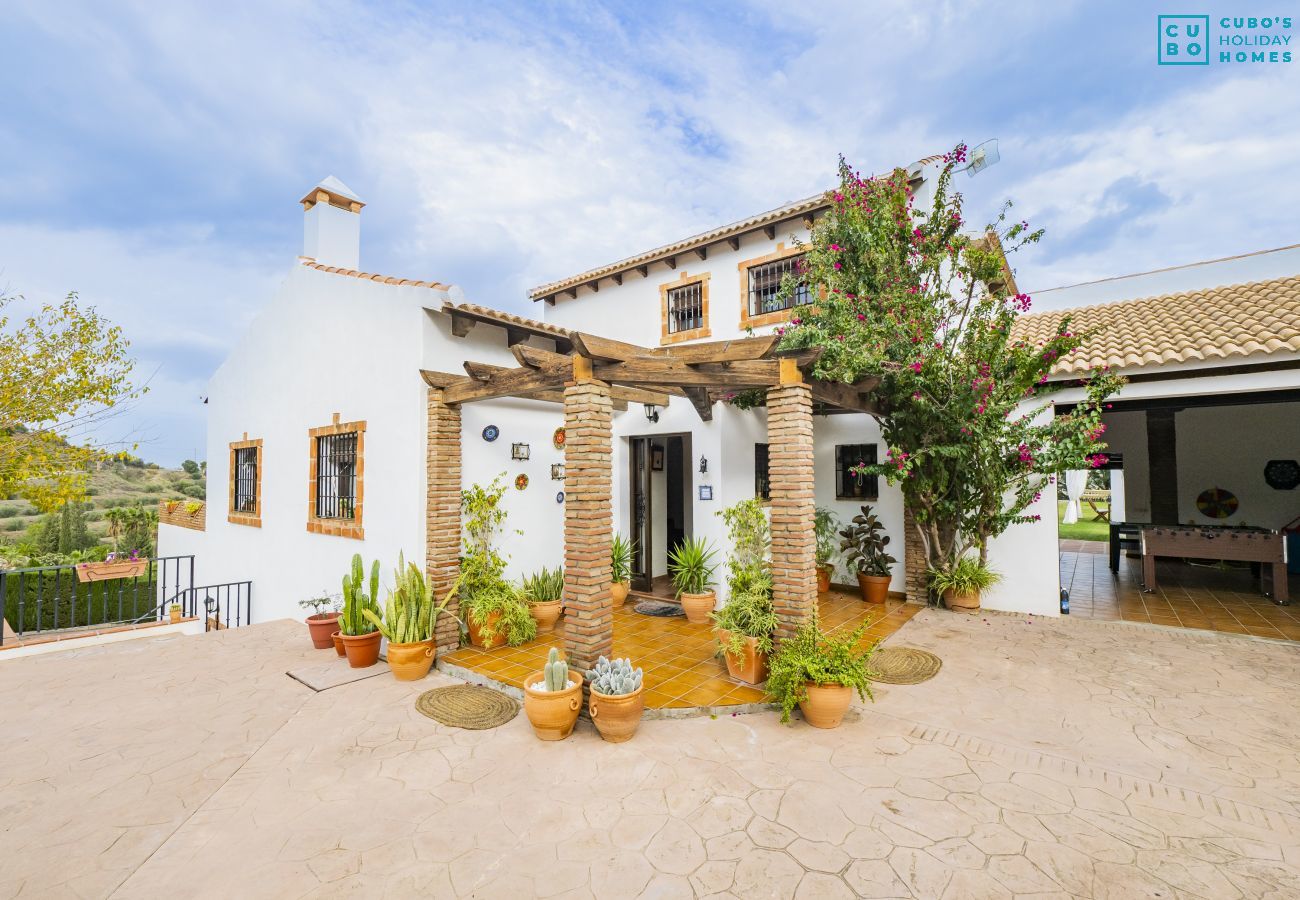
<point>658,608</point>
<point>467,706</point>
<point>335,673</point>
<point>903,665</point>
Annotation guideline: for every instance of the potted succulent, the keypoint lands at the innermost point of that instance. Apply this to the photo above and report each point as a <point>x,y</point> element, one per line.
<point>358,632</point>
<point>174,613</point>
<point>544,591</point>
<point>408,621</point>
<point>825,526</point>
<point>114,565</point>
<point>620,563</point>
<point>819,674</point>
<point>691,565</point>
<point>962,585</point>
<point>864,549</point>
<point>323,621</point>
<point>552,699</point>
<point>745,624</point>
<point>616,699</point>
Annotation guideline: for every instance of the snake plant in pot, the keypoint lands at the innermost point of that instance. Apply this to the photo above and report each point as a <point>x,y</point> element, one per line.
<point>961,586</point>
<point>864,550</point>
<point>409,621</point>
<point>544,592</point>
<point>620,568</point>
<point>360,636</point>
<point>691,565</point>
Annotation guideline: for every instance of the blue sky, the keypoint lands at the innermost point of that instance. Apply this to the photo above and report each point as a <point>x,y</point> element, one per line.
<point>151,154</point>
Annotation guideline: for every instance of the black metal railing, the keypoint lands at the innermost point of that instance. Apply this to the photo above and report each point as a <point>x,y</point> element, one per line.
<point>53,598</point>
<point>245,500</point>
<point>686,308</point>
<point>226,605</point>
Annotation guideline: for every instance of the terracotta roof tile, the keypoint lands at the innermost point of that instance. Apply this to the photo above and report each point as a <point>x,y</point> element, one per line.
<point>1237,320</point>
<point>371,276</point>
<point>506,318</point>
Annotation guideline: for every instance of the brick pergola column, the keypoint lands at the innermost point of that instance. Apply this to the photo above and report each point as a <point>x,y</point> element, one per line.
<point>588,519</point>
<point>442,512</point>
<point>790,479</point>
<point>914,569</point>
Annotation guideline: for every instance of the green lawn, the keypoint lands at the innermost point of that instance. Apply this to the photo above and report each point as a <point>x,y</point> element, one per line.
<point>1085,529</point>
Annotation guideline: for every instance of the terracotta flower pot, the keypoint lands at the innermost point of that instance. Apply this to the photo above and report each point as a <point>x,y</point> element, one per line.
<point>618,591</point>
<point>874,588</point>
<point>962,602</point>
<point>337,637</point>
<point>362,649</point>
<point>546,614</point>
<point>616,718</point>
<point>823,579</point>
<point>698,607</point>
<point>109,570</point>
<point>411,662</point>
<point>552,714</point>
<point>750,666</point>
<point>174,615</point>
<point>321,627</point>
<point>826,704</point>
<point>476,632</point>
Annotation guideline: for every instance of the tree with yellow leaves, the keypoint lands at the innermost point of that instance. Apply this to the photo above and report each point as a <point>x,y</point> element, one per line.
<point>64,370</point>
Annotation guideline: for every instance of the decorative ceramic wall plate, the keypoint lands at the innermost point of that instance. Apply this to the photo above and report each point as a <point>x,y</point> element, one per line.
<point>521,482</point>
<point>1282,474</point>
<point>558,439</point>
<point>1217,503</point>
<point>491,433</point>
<point>559,497</point>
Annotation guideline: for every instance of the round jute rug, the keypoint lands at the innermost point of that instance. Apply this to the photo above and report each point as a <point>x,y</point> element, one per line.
<point>658,608</point>
<point>467,706</point>
<point>903,665</point>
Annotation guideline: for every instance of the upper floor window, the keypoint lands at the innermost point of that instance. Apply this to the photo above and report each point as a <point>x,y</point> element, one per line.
<point>245,482</point>
<point>760,287</point>
<point>849,486</point>
<point>685,308</point>
<point>335,504</point>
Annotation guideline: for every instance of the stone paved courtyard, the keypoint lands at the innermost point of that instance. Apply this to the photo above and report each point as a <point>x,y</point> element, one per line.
<point>1047,759</point>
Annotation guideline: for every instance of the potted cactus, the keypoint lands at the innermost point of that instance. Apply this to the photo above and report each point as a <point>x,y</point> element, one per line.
<point>408,621</point>
<point>544,592</point>
<point>552,699</point>
<point>358,632</point>
<point>323,621</point>
<point>691,566</point>
<point>864,549</point>
<point>616,699</point>
<point>620,562</point>
<point>174,613</point>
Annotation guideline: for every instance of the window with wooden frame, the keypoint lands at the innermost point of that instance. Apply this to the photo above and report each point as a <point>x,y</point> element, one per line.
<point>849,486</point>
<point>762,486</point>
<point>335,488</point>
<point>245,483</point>
<point>684,308</point>
<point>760,283</point>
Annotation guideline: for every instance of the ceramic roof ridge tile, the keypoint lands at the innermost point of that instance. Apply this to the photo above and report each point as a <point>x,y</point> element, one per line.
<point>507,317</point>
<point>371,276</point>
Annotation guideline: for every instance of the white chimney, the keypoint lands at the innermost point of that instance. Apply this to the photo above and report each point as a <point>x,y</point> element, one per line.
<point>332,226</point>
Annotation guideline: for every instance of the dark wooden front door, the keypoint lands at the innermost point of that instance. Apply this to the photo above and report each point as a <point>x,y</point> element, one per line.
<point>641,514</point>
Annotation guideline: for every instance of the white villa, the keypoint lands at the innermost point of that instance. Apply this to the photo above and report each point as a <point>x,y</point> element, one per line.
<point>358,433</point>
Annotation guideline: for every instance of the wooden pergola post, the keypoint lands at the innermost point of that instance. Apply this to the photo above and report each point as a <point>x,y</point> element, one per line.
<point>790,481</point>
<point>442,512</point>
<point>588,518</point>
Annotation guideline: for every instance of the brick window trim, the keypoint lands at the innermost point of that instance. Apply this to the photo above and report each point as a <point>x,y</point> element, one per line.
<point>743,267</point>
<point>337,527</point>
<point>695,333</point>
<point>253,519</point>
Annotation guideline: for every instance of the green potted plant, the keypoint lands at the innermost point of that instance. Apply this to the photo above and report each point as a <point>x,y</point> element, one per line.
<point>174,613</point>
<point>409,620</point>
<point>616,699</point>
<point>323,621</point>
<point>544,591</point>
<point>825,526</point>
<point>552,699</point>
<point>620,561</point>
<point>745,624</point>
<point>819,674</point>
<point>496,612</point>
<point>864,549</point>
<point>963,583</point>
<point>357,631</point>
<point>691,565</point>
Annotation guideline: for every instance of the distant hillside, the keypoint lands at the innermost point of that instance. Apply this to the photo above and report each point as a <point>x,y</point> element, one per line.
<point>115,484</point>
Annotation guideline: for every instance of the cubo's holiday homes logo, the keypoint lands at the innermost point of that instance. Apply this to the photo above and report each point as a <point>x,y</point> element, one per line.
<point>1184,40</point>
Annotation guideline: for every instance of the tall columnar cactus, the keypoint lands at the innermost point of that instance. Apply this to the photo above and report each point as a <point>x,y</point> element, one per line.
<point>557,672</point>
<point>356,601</point>
<point>615,677</point>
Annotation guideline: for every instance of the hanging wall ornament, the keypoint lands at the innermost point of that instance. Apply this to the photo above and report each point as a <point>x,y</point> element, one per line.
<point>558,439</point>
<point>521,482</point>
<point>1217,503</point>
<point>1282,474</point>
<point>559,497</point>
<point>491,433</point>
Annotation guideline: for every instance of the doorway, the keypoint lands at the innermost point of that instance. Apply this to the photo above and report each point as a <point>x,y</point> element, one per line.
<point>659,514</point>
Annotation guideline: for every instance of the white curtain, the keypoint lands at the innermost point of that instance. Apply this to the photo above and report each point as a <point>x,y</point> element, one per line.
<point>1118,502</point>
<point>1076,481</point>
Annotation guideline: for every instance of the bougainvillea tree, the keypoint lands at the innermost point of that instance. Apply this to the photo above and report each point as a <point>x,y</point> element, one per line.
<point>908,295</point>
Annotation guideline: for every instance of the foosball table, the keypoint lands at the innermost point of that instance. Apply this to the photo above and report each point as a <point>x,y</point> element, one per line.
<point>1253,545</point>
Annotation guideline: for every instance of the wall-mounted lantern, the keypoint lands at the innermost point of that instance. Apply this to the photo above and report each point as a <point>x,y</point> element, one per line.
<point>651,412</point>
<point>704,464</point>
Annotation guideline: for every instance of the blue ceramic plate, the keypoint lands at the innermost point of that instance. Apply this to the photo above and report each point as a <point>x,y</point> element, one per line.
<point>491,433</point>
